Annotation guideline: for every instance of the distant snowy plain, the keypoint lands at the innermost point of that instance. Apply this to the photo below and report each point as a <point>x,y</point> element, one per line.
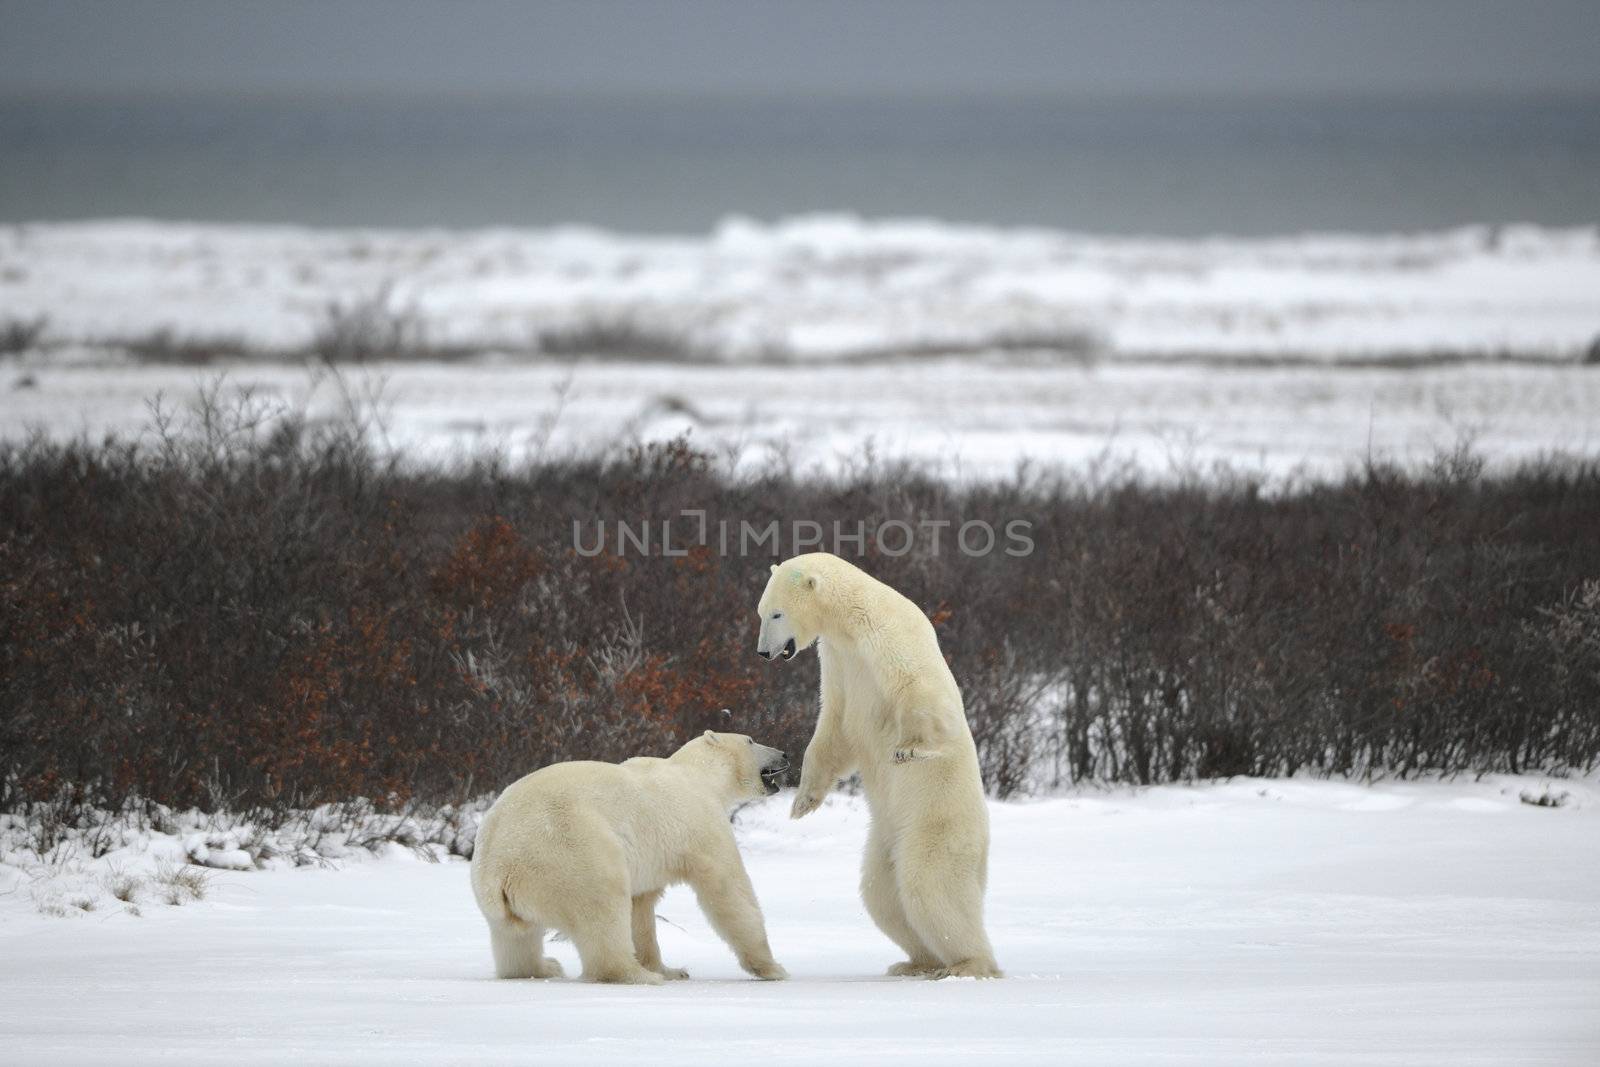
<point>831,287</point>
<point>1247,922</point>
<point>819,341</point>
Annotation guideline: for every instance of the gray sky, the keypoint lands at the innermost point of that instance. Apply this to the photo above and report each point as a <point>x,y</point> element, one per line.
<point>802,46</point>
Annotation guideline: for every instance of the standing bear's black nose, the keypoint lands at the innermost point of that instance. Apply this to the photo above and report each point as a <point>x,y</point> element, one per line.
<point>763,653</point>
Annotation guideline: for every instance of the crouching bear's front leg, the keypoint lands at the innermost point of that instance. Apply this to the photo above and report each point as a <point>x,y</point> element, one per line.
<point>726,896</point>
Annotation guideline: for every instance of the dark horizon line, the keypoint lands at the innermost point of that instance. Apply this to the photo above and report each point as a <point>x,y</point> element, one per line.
<point>35,94</point>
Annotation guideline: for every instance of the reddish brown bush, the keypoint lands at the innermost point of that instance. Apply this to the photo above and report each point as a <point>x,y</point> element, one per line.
<point>255,617</point>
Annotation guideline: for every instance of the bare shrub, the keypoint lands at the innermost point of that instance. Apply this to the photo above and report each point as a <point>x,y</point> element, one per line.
<point>52,907</point>
<point>22,335</point>
<point>180,883</point>
<point>242,611</point>
<point>123,885</point>
<point>616,337</point>
<point>167,346</point>
<point>369,328</point>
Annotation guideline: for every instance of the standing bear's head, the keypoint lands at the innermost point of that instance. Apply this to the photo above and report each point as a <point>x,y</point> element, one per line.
<point>790,610</point>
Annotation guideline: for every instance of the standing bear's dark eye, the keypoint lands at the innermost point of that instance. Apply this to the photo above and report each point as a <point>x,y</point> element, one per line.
<point>777,614</point>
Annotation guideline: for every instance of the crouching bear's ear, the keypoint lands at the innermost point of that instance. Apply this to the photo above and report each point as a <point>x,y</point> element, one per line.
<point>711,736</point>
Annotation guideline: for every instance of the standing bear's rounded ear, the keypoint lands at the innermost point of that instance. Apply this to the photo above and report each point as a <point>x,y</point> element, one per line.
<point>711,736</point>
<point>774,568</point>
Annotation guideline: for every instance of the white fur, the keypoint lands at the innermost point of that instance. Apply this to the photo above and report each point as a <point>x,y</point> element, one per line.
<point>588,848</point>
<point>892,711</point>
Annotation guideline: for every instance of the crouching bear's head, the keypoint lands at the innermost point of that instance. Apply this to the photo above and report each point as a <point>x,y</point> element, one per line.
<point>743,768</point>
<point>790,615</point>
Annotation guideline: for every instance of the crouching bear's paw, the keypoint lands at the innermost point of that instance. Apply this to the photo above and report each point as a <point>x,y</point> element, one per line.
<point>770,971</point>
<point>633,976</point>
<point>672,974</point>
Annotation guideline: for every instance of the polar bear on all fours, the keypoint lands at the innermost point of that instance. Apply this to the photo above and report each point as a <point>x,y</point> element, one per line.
<point>588,848</point>
<point>892,711</point>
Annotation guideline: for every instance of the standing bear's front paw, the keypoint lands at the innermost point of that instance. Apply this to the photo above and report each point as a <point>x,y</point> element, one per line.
<point>805,802</point>
<point>921,735</point>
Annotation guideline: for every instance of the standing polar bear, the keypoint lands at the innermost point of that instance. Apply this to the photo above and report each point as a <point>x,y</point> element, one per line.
<point>588,848</point>
<point>891,710</point>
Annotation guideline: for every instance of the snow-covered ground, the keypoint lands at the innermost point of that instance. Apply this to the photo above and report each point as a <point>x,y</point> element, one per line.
<point>825,338</point>
<point>961,417</point>
<point>1252,922</point>
<point>828,287</point>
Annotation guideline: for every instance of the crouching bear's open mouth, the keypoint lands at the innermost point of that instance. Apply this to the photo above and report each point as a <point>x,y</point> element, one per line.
<point>772,777</point>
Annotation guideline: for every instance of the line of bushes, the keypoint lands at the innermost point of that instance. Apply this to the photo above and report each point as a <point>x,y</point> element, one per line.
<point>254,615</point>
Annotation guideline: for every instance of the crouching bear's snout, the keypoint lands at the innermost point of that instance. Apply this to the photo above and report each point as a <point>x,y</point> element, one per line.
<point>773,768</point>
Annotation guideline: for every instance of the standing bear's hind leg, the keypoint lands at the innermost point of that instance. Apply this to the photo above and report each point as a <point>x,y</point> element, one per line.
<point>943,901</point>
<point>880,892</point>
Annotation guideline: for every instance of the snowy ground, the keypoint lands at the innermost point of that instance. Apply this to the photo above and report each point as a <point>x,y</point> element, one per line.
<point>823,288</point>
<point>1254,922</point>
<point>1306,353</point>
<point>961,417</point>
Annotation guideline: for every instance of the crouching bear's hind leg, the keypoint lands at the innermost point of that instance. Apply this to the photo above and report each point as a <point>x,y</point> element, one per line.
<point>605,943</point>
<point>645,946</point>
<point>602,929</point>
<point>519,951</point>
<point>596,911</point>
<point>516,939</point>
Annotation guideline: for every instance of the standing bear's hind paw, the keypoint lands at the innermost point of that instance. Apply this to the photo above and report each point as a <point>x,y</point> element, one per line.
<point>914,969</point>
